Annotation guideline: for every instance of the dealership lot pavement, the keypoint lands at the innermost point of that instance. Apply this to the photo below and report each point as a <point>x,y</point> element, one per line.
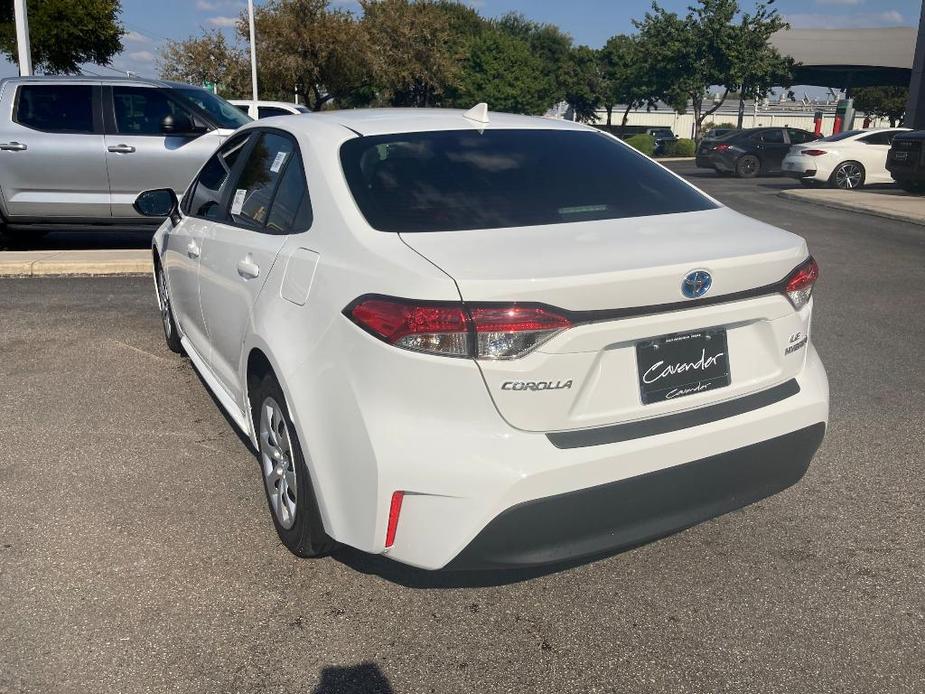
<point>137,554</point>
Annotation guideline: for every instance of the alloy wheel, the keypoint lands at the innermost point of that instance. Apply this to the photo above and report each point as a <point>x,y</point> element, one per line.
<point>848,176</point>
<point>276,458</point>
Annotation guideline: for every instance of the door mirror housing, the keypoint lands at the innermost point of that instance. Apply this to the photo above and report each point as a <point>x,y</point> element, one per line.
<point>180,124</point>
<point>160,202</point>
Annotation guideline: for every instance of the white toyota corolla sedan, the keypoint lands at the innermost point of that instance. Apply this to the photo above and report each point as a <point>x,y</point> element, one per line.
<point>848,160</point>
<point>475,340</point>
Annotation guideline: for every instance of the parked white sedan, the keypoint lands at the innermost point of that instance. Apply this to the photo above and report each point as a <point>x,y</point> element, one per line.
<point>848,160</point>
<point>447,347</point>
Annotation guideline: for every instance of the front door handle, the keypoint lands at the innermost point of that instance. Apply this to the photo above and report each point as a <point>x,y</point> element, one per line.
<point>248,269</point>
<point>13,146</point>
<point>192,249</point>
<point>121,149</point>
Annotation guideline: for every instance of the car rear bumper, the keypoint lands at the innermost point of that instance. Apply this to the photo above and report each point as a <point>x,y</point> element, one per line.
<point>484,496</point>
<point>702,160</point>
<point>622,514</point>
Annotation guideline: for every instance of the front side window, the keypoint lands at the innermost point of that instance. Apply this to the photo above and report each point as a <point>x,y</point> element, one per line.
<point>770,136</point>
<point>224,114</point>
<point>55,108</point>
<point>143,110</point>
<point>206,192</point>
<point>260,175</point>
<point>465,179</point>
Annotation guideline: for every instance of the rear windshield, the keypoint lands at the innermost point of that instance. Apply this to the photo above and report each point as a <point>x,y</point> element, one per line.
<point>841,136</point>
<point>464,179</point>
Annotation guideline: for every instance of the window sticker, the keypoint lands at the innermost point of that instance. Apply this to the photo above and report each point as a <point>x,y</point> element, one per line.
<point>238,201</point>
<point>278,162</point>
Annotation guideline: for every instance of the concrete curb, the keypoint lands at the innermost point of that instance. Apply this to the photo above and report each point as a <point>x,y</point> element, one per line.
<point>858,206</point>
<point>661,159</point>
<point>75,263</point>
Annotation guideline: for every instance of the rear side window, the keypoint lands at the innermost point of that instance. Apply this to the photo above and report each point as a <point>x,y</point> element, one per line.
<point>255,187</point>
<point>464,179</point>
<point>769,136</point>
<point>205,194</point>
<point>884,137</point>
<point>270,111</point>
<point>55,108</point>
<point>291,211</point>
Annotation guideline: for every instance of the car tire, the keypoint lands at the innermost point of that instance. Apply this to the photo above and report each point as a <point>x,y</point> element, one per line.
<point>748,166</point>
<point>171,336</point>
<point>849,175</point>
<point>287,483</point>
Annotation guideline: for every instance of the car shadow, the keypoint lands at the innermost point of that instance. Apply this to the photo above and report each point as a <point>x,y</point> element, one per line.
<point>109,239</point>
<point>365,678</point>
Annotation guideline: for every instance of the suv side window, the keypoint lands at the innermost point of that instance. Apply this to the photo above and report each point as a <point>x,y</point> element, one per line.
<point>142,110</point>
<point>269,111</point>
<point>55,108</point>
<point>255,188</point>
<point>205,193</point>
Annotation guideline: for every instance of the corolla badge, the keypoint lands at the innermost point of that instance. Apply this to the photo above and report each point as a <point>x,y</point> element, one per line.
<point>696,284</point>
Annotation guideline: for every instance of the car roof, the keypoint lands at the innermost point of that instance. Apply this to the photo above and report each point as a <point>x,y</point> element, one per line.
<point>262,102</point>
<point>95,79</point>
<point>385,121</point>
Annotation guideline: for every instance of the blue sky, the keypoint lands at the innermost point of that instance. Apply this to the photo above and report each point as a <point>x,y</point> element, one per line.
<point>589,22</point>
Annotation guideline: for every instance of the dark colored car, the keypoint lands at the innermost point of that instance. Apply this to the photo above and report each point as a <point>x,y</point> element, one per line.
<point>905,160</point>
<point>702,155</point>
<point>755,151</point>
<point>663,138</point>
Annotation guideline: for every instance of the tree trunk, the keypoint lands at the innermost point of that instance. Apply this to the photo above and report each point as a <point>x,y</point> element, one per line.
<point>626,116</point>
<point>699,117</point>
<point>609,115</point>
<point>741,119</point>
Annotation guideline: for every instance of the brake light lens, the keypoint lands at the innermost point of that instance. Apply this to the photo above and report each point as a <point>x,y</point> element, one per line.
<point>456,330</point>
<point>721,147</point>
<point>799,287</point>
<point>813,152</point>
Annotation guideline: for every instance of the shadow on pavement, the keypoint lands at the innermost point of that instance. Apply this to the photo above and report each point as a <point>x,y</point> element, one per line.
<point>365,678</point>
<point>77,240</point>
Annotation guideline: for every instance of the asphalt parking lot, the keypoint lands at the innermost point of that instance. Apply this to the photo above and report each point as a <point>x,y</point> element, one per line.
<point>137,553</point>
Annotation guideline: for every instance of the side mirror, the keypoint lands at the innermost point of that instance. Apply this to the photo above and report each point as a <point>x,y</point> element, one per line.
<point>180,124</point>
<point>160,202</point>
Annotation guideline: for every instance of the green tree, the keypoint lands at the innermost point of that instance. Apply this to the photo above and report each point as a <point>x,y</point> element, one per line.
<point>584,83</point>
<point>503,71</point>
<point>625,78</point>
<point>882,102</point>
<point>309,46</point>
<point>549,44</point>
<point>413,50</point>
<point>206,58</point>
<point>65,33</point>
<point>684,56</point>
<point>756,65</point>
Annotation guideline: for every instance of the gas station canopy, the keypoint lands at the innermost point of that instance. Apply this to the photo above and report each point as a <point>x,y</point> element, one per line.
<point>844,58</point>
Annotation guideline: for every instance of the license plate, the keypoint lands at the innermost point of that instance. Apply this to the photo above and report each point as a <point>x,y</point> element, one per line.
<point>900,156</point>
<point>673,366</point>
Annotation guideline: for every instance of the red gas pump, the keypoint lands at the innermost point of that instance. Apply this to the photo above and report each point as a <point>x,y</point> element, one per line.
<point>817,122</point>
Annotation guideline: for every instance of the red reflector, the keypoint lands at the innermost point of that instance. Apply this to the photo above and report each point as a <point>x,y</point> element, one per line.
<point>814,152</point>
<point>514,319</point>
<point>804,276</point>
<point>394,511</point>
<point>392,319</point>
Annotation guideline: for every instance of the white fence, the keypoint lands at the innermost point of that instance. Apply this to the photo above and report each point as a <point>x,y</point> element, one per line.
<point>683,125</point>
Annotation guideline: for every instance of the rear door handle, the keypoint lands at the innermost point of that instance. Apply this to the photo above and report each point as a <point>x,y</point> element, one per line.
<point>121,149</point>
<point>248,269</point>
<point>13,146</point>
<point>192,249</point>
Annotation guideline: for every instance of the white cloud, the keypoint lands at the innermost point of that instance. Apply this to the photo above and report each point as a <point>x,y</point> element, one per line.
<point>859,20</point>
<point>135,37</point>
<point>141,56</point>
<point>222,21</point>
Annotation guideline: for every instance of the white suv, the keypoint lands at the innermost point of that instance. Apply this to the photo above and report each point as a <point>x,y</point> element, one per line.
<point>474,340</point>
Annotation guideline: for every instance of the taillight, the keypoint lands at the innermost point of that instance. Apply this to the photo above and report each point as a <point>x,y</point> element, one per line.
<point>721,148</point>
<point>813,152</point>
<point>457,330</point>
<point>800,283</point>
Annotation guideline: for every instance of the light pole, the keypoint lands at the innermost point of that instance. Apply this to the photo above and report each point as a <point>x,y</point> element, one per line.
<point>250,16</point>
<point>22,37</point>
